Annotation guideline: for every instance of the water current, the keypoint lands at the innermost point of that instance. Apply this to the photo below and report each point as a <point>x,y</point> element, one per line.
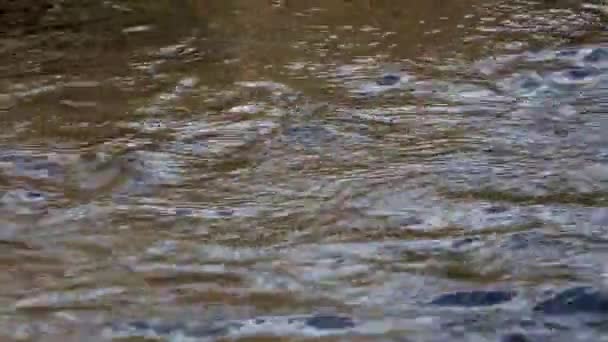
<point>248,170</point>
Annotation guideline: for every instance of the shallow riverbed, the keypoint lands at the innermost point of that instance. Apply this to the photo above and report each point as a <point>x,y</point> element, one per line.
<point>363,170</point>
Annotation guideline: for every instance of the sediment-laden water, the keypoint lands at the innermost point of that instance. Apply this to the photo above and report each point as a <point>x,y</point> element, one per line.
<point>296,170</point>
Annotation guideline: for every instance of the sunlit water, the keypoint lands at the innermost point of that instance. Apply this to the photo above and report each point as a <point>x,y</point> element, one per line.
<point>291,170</point>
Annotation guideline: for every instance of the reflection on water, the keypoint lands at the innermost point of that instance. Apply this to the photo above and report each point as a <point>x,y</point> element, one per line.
<point>343,170</point>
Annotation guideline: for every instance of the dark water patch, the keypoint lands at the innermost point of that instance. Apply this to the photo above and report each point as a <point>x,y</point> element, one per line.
<point>140,325</point>
<point>535,240</point>
<point>567,53</point>
<point>597,55</point>
<point>161,329</point>
<point>184,212</point>
<point>526,83</point>
<point>580,73</point>
<point>385,86</point>
<point>575,76</point>
<point>582,299</point>
<point>496,209</point>
<point>473,298</point>
<point>255,326</point>
<point>589,199</point>
<point>158,328</point>
<point>515,337</point>
<point>25,196</point>
<point>388,80</point>
<point>465,242</point>
<point>24,201</point>
<point>324,322</point>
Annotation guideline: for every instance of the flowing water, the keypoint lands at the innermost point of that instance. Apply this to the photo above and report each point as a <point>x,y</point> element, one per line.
<point>364,170</point>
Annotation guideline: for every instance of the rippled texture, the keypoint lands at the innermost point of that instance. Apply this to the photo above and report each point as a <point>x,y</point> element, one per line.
<point>336,170</point>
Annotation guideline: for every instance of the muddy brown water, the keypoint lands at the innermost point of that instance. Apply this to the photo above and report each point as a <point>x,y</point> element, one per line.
<point>375,170</point>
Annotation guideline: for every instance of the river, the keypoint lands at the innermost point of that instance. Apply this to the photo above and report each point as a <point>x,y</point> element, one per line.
<point>248,170</point>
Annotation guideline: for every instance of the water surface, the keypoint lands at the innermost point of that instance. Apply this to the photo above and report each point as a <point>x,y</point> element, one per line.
<point>290,170</point>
